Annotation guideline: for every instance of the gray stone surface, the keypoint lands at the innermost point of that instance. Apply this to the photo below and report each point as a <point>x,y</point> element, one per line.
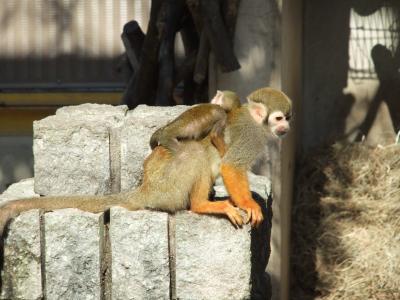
<point>71,150</point>
<point>135,136</point>
<point>259,184</point>
<point>72,254</point>
<point>22,189</point>
<point>21,273</point>
<point>139,247</point>
<point>212,258</point>
<point>113,115</point>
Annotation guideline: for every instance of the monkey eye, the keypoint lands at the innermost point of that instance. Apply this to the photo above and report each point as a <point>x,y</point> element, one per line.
<point>280,118</point>
<point>288,118</point>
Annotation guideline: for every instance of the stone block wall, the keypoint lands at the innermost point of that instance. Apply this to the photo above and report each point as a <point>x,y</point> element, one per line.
<point>70,254</point>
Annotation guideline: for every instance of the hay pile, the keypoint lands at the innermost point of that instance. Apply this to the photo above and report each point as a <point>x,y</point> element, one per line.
<point>346,224</point>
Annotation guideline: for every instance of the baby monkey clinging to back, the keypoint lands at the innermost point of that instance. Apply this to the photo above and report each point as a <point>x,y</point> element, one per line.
<point>198,122</point>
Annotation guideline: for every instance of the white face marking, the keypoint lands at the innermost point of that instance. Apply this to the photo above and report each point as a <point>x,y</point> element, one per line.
<point>279,124</point>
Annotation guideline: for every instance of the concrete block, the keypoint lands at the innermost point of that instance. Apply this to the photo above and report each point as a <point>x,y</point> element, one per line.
<point>72,152</point>
<point>19,190</point>
<point>213,259</point>
<point>258,184</point>
<point>140,260</point>
<point>72,254</point>
<point>135,136</point>
<point>113,115</point>
<point>260,237</point>
<point>21,273</point>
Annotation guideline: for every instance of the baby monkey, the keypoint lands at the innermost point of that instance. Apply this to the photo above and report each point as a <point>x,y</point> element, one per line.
<point>198,122</point>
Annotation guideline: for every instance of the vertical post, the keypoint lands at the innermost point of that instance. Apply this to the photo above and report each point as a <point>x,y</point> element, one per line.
<point>292,12</point>
<point>270,56</point>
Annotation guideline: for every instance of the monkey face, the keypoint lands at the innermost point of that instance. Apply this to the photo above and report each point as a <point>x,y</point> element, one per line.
<point>278,123</point>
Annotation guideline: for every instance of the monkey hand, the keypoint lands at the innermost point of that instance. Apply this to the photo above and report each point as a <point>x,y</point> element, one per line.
<point>254,213</point>
<point>233,213</point>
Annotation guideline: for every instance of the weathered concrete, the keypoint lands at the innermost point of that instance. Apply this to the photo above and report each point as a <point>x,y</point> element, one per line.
<point>21,273</point>
<point>135,136</point>
<point>139,247</point>
<point>213,259</point>
<point>71,150</point>
<point>113,115</point>
<point>258,184</point>
<point>22,189</point>
<point>72,254</point>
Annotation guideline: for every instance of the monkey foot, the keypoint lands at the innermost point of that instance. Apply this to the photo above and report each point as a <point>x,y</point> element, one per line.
<point>254,213</point>
<point>234,216</point>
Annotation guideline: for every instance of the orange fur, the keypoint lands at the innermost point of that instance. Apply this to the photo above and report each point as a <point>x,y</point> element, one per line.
<point>199,202</point>
<point>219,143</point>
<point>237,184</point>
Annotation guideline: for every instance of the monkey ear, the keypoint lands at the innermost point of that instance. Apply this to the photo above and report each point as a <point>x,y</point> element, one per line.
<point>218,98</point>
<point>258,111</point>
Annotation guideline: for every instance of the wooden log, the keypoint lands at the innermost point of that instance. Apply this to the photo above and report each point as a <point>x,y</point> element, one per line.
<point>190,36</point>
<point>133,38</point>
<point>201,68</point>
<point>141,88</point>
<point>173,12</point>
<point>230,10</point>
<point>201,92</point>
<point>124,67</point>
<point>194,9</point>
<point>218,36</point>
<point>186,68</point>
<point>190,40</point>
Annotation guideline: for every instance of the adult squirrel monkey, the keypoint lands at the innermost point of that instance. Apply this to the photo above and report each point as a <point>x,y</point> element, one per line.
<point>198,122</point>
<point>182,179</point>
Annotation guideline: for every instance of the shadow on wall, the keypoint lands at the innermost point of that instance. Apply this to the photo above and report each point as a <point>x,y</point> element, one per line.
<point>349,41</point>
<point>387,70</point>
<point>16,160</point>
<point>329,65</point>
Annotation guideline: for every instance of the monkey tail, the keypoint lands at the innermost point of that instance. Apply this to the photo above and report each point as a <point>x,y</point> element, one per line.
<point>133,200</point>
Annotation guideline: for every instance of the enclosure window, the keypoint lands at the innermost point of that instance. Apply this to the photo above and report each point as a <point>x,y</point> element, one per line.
<point>381,27</point>
<point>68,44</point>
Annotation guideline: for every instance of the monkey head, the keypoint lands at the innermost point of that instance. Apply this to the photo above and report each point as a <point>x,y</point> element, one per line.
<point>228,100</point>
<point>271,108</point>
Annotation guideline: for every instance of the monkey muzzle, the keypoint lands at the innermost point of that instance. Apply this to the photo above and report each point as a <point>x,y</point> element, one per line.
<point>280,132</point>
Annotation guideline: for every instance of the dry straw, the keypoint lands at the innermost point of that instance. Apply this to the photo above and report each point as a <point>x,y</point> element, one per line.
<point>346,224</point>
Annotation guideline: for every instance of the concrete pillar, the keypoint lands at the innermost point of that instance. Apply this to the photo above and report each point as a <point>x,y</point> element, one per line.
<point>268,46</point>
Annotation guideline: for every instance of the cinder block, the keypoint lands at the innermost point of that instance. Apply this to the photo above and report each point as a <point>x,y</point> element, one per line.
<point>213,259</point>
<point>135,136</point>
<point>92,112</point>
<point>140,260</point>
<point>21,273</point>
<point>258,184</point>
<point>72,254</point>
<point>72,152</point>
<point>260,237</point>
